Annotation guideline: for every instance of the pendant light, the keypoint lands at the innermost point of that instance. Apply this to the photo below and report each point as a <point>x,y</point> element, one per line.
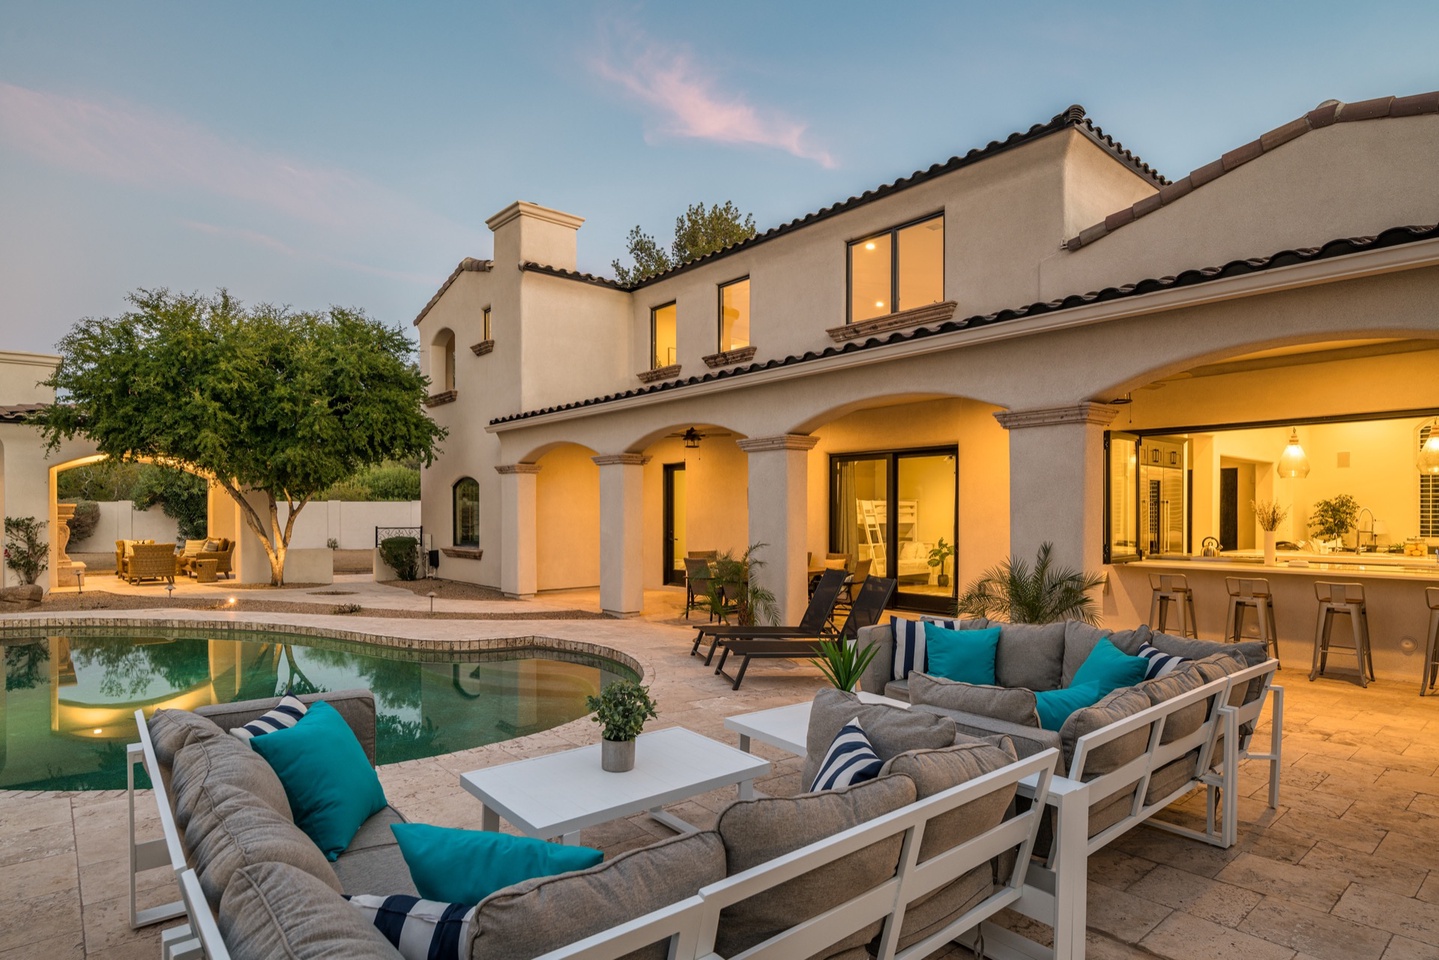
<point>1293,464</point>
<point>1428,459</point>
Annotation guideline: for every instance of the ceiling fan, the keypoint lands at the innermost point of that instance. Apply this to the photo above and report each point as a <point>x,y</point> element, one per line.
<point>692,436</point>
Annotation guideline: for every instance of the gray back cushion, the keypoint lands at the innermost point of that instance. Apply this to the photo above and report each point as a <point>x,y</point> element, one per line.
<point>1250,652</point>
<point>534,917</point>
<point>1112,755</point>
<point>357,707</point>
<point>891,730</point>
<point>757,831</point>
<point>223,761</point>
<point>240,832</point>
<point>1081,638</point>
<point>1029,655</point>
<point>274,910</point>
<point>1180,681</point>
<point>173,730</point>
<point>1011,704</point>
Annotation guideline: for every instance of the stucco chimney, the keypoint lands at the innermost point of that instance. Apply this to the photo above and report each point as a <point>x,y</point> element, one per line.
<point>528,231</point>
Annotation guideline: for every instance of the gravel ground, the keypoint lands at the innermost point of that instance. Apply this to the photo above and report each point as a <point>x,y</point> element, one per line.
<point>100,600</point>
<point>448,589</point>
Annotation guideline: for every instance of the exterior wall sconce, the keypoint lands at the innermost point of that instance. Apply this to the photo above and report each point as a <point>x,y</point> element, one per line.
<point>1428,442</point>
<point>1293,464</point>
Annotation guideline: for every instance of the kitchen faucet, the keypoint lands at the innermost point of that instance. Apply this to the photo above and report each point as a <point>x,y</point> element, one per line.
<point>1359,531</point>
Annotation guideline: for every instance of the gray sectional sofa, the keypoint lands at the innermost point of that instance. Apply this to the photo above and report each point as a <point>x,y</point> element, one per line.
<point>771,866</point>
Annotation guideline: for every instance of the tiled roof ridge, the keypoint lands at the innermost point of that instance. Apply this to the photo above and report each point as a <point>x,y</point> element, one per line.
<point>1343,246</point>
<point>533,266</point>
<point>19,412</point>
<point>1326,114</point>
<point>467,265</point>
<point>1071,117</point>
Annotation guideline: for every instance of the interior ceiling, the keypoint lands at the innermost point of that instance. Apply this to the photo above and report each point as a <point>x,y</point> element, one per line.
<point>1303,353</point>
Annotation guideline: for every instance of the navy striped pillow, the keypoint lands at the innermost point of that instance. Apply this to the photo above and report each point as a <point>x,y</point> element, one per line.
<point>1160,663</point>
<point>420,929</point>
<point>851,759</point>
<point>908,647</point>
<point>286,714</point>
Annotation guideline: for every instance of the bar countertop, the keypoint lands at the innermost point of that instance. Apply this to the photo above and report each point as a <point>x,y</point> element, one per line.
<point>1387,566</point>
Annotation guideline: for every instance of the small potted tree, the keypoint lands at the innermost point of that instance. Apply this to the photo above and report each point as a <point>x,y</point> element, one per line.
<point>938,558</point>
<point>1330,520</point>
<point>621,710</point>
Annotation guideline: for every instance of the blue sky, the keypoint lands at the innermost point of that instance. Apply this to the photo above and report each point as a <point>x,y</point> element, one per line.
<point>348,153</point>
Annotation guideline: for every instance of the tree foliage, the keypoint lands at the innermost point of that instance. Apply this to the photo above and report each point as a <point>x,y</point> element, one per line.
<point>84,522</point>
<point>263,399</point>
<point>388,481</point>
<point>184,497</point>
<point>698,231</point>
<point>25,552</point>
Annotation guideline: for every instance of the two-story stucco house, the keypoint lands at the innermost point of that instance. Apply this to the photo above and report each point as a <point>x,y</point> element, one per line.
<point>1042,340</point>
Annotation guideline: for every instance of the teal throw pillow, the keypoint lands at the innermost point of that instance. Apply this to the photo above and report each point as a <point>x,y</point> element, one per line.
<point>1110,668</point>
<point>964,655</point>
<point>328,780</point>
<point>1055,706</point>
<point>465,866</point>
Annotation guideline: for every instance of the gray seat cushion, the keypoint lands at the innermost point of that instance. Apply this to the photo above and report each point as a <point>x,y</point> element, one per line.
<point>240,832</point>
<point>373,863</point>
<point>357,707</point>
<point>897,690</point>
<point>534,917</point>
<point>1010,704</point>
<point>1029,655</point>
<point>892,730</point>
<point>223,761</point>
<point>173,730</point>
<point>757,831</point>
<point>273,910</point>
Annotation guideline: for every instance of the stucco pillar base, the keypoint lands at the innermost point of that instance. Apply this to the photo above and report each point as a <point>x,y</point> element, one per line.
<point>1056,481</point>
<point>518,552</point>
<point>622,548</point>
<point>779,516</point>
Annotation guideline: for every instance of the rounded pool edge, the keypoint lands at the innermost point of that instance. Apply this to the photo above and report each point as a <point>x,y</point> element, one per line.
<point>473,645</point>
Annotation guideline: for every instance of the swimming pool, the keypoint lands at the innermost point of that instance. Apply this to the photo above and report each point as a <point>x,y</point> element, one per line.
<point>67,710</point>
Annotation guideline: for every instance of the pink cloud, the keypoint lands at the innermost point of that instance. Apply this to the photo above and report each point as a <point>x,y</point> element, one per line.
<point>129,143</point>
<point>689,103</point>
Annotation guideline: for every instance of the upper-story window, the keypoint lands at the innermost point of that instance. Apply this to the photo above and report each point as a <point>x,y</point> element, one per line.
<point>442,362</point>
<point>899,269</point>
<point>466,496</point>
<point>485,318</point>
<point>734,315</point>
<point>662,336</point>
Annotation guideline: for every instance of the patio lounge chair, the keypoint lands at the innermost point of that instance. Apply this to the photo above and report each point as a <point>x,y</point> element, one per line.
<point>151,561</point>
<point>812,624</point>
<point>868,607</point>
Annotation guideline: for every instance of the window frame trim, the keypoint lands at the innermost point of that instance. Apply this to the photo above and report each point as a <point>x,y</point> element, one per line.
<point>654,344</point>
<point>719,332</point>
<point>485,319</point>
<point>893,234</point>
<point>455,513</point>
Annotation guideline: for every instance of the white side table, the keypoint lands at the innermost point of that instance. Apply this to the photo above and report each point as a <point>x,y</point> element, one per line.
<point>786,727</point>
<point>559,794</point>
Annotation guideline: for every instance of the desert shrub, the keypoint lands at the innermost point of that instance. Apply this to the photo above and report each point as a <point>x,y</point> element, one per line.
<point>25,552</point>
<point>402,554</point>
<point>86,519</point>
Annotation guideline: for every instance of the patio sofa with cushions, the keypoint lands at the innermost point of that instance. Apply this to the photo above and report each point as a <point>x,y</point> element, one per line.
<point>904,861</point>
<point>149,561</point>
<point>1124,759</point>
<point>197,549</point>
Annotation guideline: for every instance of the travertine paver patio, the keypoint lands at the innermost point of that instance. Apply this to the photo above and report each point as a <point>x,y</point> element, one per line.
<point>1342,871</point>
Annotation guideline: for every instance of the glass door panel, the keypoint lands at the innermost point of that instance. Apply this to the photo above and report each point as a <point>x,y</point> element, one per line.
<point>674,526</point>
<point>1121,502</point>
<point>925,527</point>
<point>859,512</point>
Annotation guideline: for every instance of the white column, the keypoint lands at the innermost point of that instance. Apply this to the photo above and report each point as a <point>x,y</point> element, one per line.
<point>1056,481</point>
<point>779,515</point>
<point>622,547</point>
<point>517,529</point>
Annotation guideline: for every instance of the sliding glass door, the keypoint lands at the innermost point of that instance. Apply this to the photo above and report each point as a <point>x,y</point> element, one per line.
<point>894,514</point>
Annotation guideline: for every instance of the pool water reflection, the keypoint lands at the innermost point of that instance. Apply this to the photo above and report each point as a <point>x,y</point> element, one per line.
<point>67,710</point>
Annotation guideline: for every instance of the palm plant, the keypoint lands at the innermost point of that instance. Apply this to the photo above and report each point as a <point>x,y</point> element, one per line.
<point>843,663</point>
<point>735,588</point>
<point>1045,593</point>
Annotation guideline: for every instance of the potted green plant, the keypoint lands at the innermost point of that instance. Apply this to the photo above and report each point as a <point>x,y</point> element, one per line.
<point>735,588</point>
<point>621,710</point>
<point>937,558</point>
<point>1331,519</point>
<point>843,663</point>
<point>1045,593</point>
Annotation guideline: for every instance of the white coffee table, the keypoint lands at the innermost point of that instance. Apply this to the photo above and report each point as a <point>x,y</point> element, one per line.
<point>786,727</point>
<point>560,793</point>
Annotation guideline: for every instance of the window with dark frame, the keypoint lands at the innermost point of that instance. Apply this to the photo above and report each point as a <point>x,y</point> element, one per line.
<point>466,495</point>
<point>662,335</point>
<point>485,318</point>
<point>734,324</point>
<point>898,269</point>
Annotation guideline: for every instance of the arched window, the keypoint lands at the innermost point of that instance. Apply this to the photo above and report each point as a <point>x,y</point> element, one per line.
<point>442,362</point>
<point>467,512</point>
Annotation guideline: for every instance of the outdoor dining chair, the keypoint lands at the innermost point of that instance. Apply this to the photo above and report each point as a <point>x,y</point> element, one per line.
<point>812,624</point>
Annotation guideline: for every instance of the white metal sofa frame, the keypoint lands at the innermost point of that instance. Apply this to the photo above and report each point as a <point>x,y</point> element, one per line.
<point>1056,889</point>
<point>691,925</point>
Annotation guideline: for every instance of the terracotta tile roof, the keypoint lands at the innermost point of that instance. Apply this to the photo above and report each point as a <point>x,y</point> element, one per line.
<point>466,265</point>
<point>1073,118</point>
<point>1327,113</point>
<point>1334,248</point>
<point>20,412</point>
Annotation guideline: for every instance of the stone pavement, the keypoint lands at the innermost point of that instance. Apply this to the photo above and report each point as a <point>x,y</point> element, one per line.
<point>1341,871</point>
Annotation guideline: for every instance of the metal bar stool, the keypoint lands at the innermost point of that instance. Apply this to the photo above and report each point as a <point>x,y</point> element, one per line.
<point>1348,599</point>
<point>1431,665</point>
<point>1172,588</point>
<point>1251,594</point>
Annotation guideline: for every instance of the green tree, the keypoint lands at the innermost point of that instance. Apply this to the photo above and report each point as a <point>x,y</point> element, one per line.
<point>698,231</point>
<point>184,497</point>
<point>263,399</point>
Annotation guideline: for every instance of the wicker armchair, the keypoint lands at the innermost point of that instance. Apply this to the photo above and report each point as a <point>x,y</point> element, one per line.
<point>151,561</point>
<point>223,558</point>
<point>122,555</point>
